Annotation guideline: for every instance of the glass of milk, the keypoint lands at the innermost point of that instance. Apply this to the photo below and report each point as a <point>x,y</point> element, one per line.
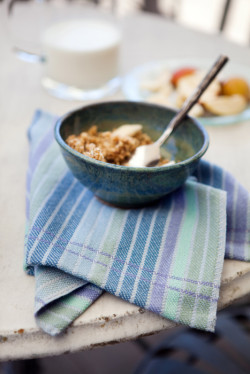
<point>78,46</point>
<point>81,58</point>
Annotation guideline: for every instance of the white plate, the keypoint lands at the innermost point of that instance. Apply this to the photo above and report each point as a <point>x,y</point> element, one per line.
<point>132,83</point>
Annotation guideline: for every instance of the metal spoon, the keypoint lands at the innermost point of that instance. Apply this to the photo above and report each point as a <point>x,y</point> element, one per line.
<point>149,155</point>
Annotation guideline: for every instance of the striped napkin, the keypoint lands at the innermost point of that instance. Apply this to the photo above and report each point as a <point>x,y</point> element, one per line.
<point>166,258</point>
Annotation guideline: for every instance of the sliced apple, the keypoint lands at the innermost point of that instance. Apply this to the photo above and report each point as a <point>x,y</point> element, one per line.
<point>188,84</point>
<point>158,83</point>
<point>225,105</point>
<point>127,130</point>
<point>180,73</point>
<point>196,111</point>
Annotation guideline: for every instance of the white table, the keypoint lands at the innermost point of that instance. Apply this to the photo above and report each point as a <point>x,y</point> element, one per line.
<point>109,320</point>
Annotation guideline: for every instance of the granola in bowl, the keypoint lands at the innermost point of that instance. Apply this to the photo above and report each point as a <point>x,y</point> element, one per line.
<point>131,187</point>
<point>115,147</point>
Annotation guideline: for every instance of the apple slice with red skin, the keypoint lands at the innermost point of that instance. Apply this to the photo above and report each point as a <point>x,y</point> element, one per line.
<point>180,73</point>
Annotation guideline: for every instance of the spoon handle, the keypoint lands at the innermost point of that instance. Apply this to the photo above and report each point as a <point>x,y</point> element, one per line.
<point>192,100</point>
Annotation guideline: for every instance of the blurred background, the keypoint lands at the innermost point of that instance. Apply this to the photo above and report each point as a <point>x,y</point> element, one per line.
<point>229,17</point>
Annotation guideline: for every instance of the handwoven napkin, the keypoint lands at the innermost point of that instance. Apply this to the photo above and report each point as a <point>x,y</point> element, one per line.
<point>166,258</point>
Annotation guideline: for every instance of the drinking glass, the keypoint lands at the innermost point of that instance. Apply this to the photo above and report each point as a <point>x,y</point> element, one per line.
<point>77,43</point>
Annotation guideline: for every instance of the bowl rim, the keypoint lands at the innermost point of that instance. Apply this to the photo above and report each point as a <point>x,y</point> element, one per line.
<point>154,169</point>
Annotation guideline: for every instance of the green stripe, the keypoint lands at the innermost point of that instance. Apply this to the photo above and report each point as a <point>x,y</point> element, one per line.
<point>98,271</point>
<point>66,307</point>
<point>211,223</point>
<point>201,308</point>
<point>214,236</point>
<point>202,313</point>
<point>220,259</point>
<point>53,315</point>
<point>76,302</point>
<point>48,317</point>
<point>196,257</point>
<point>182,252</point>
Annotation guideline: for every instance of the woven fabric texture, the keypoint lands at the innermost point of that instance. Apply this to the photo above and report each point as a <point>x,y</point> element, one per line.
<point>166,258</point>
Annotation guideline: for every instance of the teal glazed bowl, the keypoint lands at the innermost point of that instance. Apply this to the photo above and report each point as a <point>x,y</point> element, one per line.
<point>127,186</point>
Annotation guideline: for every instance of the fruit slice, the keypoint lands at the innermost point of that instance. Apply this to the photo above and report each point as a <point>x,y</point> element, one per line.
<point>196,111</point>
<point>234,86</point>
<point>226,105</point>
<point>159,98</point>
<point>187,85</point>
<point>180,73</point>
<point>158,83</point>
<point>127,130</point>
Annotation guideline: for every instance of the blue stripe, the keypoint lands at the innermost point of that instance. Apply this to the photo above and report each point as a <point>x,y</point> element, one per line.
<point>89,292</point>
<point>123,248</point>
<point>217,177</point>
<point>66,235</point>
<point>48,208</point>
<point>93,244</point>
<point>36,117</point>
<point>69,259</point>
<point>137,254</point>
<point>56,224</point>
<point>44,123</point>
<point>40,151</point>
<point>151,258</point>
<point>241,214</point>
<point>204,173</point>
<point>210,175</point>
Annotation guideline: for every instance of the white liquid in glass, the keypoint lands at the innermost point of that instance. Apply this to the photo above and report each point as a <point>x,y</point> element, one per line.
<point>81,53</point>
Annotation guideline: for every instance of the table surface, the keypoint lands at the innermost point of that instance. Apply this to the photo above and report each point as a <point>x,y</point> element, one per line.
<point>145,38</point>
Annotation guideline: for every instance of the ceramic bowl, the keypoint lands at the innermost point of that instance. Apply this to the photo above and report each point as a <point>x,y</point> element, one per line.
<point>126,186</point>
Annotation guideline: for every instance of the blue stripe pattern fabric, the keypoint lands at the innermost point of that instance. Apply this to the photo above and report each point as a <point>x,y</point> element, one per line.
<point>166,258</point>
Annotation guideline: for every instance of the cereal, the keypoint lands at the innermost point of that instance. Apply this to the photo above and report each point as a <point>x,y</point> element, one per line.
<point>114,147</point>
